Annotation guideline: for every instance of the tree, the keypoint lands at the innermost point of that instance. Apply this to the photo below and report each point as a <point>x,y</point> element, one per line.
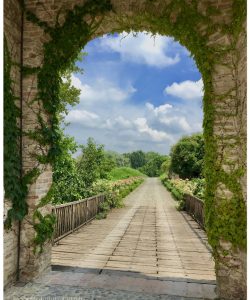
<point>165,165</point>
<point>67,185</point>
<point>89,164</point>
<point>107,164</point>
<point>187,156</point>
<point>68,93</point>
<point>120,160</point>
<point>151,155</point>
<point>154,160</point>
<point>137,159</point>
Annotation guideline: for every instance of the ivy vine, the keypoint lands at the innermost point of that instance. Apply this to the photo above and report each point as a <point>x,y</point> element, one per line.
<point>66,40</point>
<point>15,185</point>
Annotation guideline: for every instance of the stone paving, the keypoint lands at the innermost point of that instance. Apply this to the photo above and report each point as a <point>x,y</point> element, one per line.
<point>145,250</point>
<point>58,292</point>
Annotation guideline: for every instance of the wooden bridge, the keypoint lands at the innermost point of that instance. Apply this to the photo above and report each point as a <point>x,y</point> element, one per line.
<point>146,246</point>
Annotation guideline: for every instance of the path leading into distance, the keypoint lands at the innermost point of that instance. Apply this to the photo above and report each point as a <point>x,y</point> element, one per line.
<point>145,250</point>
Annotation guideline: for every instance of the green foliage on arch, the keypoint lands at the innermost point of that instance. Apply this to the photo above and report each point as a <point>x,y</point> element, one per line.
<point>183,20</point>
<point>66,41</point>
<point>15,185</point>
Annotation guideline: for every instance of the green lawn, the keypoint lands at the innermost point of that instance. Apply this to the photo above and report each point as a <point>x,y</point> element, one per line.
<point>123,173</point>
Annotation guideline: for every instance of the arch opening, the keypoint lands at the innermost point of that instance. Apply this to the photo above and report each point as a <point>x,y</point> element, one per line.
<point>113,107</point>
<point>129,78</point>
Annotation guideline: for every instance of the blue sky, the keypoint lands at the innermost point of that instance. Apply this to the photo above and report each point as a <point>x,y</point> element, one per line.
<point>137,92</point>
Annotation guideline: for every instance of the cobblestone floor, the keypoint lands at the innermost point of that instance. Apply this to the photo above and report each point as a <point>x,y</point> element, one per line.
<point>55,292</point>
<point>42,289</point>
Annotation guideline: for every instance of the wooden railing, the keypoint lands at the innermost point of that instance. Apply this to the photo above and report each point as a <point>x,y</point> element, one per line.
<point>72,215</point>
<point>195,207</point>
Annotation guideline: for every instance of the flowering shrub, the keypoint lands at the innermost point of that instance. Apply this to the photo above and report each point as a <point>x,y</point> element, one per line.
<point>115,192</point>
<point>179,187</point>
<point>193,187</point>
<point>185,186</point>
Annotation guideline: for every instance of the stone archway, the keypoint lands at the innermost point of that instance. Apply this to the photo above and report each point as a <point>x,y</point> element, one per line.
<point>214,32</point>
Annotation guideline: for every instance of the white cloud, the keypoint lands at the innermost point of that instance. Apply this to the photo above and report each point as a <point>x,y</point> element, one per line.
<point>177,121</point>
<point>119,122</point>
<point>81,116</point>
<point>144,49</point>
<point>186,89</point>
<point>162,109</point>
<point>102,90</point>
<point>123,122</point>
<point>170,116</point>
<point>108,110</point>
<point>143,127</point>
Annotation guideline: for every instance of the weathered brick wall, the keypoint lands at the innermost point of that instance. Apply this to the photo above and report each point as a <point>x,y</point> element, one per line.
<point>12,32</point>
<point>30,264</point>
<point>229,79</point>
<point>33,39</point>
<point>242,96</point>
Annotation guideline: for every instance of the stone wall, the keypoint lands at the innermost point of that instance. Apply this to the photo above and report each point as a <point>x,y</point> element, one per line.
<point>12,31</point>
<point>10,255</point>
<point>231,269</point>
<point>229,73</point>
<point>30,264</point>
<point>229,79</point>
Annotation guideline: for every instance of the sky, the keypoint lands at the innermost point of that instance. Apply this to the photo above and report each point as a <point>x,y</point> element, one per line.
<point>138,92</point>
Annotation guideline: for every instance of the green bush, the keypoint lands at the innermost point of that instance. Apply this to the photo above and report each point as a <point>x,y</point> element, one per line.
<point>175,192</point>
<point>115,193</point>
<point>195,187</point>
<point>181,205</point>
<point>187,156</point>
<point>199,189</point>
<point>179,187</point>
<point>168,185</point>
<point>152,167</point>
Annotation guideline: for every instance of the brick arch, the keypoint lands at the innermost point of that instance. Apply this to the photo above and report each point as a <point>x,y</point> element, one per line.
<point>139,15</point>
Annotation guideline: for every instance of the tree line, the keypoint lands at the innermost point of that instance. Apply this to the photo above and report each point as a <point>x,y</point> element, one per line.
<point>73,178</point>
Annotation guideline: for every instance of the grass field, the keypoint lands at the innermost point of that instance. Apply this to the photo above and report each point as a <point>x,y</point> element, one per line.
<point>123,173</point>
